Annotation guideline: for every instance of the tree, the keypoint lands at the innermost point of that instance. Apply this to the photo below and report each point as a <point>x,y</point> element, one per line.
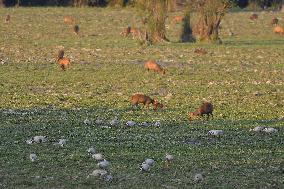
<point>210,14</point>
<point>186,35</point>
<point>2,3</point>
<point>156,13</point>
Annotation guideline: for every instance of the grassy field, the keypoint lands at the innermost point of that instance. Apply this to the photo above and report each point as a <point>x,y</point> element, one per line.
<point>243,78</point>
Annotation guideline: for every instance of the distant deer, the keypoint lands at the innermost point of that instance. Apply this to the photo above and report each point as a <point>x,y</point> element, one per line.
<point>145,100</point>
<point>274,21</point>
<point>69,20</point>
<point>278,30</point>
<point>63,62</point>
<point>7,19</point>
<point>152,65</point>
<point>136,33</point>
<point>205,109</point>
<point>76,29</point>
<point>253,16</point>
<point>200,51</point>
<point>126,31</point>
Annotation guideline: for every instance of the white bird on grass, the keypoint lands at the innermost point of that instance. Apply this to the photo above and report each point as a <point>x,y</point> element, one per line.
<point>98,157</point>
<point>216,132</point>
<point>145,167</point>
<point>130,123</point>
<point>270,130</point>
<point>91,150</point>
<point>198,177</point>
<point>103,164</point>
<point>150,162</point>
<point>33,157</point>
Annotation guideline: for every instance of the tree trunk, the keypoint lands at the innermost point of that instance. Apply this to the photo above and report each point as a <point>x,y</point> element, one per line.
<point>156,25</point>
<point>210,16</point>
<point>2,3</point>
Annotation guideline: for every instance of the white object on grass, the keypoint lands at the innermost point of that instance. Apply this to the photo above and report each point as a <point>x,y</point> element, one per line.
<point>33,157</point>
<point>98,157</point>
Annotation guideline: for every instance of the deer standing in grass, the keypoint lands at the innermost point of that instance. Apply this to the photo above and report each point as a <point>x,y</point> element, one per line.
<point>62,61</point>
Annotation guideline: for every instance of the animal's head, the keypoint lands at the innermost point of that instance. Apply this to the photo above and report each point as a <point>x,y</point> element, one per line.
<point>157,105</point>
<point>127,30</point>
<point>192,115</point>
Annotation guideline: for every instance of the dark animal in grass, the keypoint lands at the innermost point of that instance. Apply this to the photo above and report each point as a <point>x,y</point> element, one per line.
<point>145,100</point>
<point>76,29</point>
<point>205,109</point>
<point>253,16</point>
<point>62,61</point>
<point>7,19</point>
<point>200,51</point>
<point>152,65</point>
<point>274,21</point>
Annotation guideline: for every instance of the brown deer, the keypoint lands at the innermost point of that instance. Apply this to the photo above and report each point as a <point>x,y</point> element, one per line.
<point>200,51</point>
<point>145,100</point>
<point>69,20</point>
<point>62,61</point>
<point>253,16</point>
<point>205,108</point>
<point>152,65</point>
<point>7,19</point>
<point>76,29</point>
<point>278,30</point>
<point>274,21</point>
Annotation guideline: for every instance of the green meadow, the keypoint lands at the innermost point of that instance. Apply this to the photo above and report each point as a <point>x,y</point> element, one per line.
<point>242,77</point>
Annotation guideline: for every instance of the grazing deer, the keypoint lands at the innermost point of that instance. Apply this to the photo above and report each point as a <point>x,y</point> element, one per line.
<point>205,108</point>
<point>145,100</point>
<point>152,65</point>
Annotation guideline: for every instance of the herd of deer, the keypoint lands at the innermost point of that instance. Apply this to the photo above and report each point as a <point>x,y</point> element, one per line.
<point>274,22</point>
<point>205,109</point>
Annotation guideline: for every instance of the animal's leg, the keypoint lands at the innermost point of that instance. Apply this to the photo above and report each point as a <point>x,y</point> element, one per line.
<point>212,115</point>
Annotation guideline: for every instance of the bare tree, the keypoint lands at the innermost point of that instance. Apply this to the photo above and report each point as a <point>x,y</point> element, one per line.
<point>156,13</point>
<point>210,14</point>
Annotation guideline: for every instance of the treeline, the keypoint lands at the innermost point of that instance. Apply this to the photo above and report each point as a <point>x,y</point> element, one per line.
<point>79,3</point>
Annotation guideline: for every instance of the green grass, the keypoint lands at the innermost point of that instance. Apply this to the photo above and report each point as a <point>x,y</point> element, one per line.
<point>37,98</point>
